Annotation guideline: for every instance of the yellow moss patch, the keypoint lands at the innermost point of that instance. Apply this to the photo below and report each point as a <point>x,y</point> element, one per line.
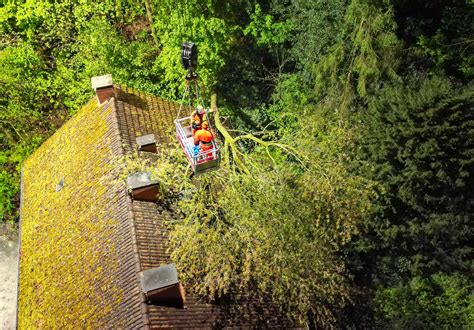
<point>67,257</point>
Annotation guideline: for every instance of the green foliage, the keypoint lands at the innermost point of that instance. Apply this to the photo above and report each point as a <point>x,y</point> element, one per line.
<point>290,103</point>
<point>271,220</point>
<point>8,189</point>
<point>22,120</point>
<point>438,36</point>
<point>367,55</point>
<point>316,26</point>
<point>289,66</point>
<point>266,30</point>
<point>418,142</point>
<point>178,21</point>
<point>277,227</point>
<point>436,302</point>
<point>261,240</point>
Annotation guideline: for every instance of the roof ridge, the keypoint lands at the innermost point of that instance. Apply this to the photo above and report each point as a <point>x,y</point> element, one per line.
<point>140,113</point>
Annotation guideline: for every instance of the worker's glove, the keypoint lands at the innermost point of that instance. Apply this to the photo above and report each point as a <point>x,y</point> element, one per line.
<point>196,150</point>
<point>194,125</point>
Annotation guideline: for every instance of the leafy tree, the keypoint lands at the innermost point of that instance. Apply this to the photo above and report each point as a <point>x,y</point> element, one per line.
<point>437,301</point>
<point>417,141</point>
<point>284,69</point>
<point>438,36</point>
<point>271,220</point>
<point>22,120</point>
<point>367,56</point>
<point>315,27</point>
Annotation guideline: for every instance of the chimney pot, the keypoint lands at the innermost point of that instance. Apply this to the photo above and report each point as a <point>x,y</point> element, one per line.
<point>104,87</point>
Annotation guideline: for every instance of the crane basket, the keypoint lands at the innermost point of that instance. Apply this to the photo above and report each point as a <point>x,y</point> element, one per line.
<point>202,161</point>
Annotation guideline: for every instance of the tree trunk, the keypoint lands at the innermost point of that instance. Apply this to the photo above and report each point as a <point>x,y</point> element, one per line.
<point>149,14</point>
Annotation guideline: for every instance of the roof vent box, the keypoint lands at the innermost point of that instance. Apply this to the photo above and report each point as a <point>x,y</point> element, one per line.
<point>142,187</point>
<point>147,143</point>
<point>161,286</point>
<point>104,87</point>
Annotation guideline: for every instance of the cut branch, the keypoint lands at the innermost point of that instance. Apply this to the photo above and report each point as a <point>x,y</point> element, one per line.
<point>230,147</point>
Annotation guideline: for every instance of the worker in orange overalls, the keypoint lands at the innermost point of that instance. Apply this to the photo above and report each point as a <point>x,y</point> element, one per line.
<point>203,138</point>
<point>198,117</point>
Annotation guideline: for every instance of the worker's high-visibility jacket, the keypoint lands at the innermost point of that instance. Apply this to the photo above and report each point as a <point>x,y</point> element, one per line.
<point>197,120</point>
<point>203,138</point>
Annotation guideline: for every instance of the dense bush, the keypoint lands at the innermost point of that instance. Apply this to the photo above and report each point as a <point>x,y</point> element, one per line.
<point>437,301</point>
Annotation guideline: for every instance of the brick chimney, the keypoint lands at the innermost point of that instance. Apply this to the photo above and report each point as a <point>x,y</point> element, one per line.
<point>104,87</point>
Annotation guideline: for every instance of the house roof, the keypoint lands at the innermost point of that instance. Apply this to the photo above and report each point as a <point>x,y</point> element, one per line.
<point>83,244</point>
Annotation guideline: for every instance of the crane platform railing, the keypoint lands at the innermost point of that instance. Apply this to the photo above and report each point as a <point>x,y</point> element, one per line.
<point>202,161</point>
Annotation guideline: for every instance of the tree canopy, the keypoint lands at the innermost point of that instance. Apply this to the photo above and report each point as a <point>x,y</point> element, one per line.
<point>345,194</point>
